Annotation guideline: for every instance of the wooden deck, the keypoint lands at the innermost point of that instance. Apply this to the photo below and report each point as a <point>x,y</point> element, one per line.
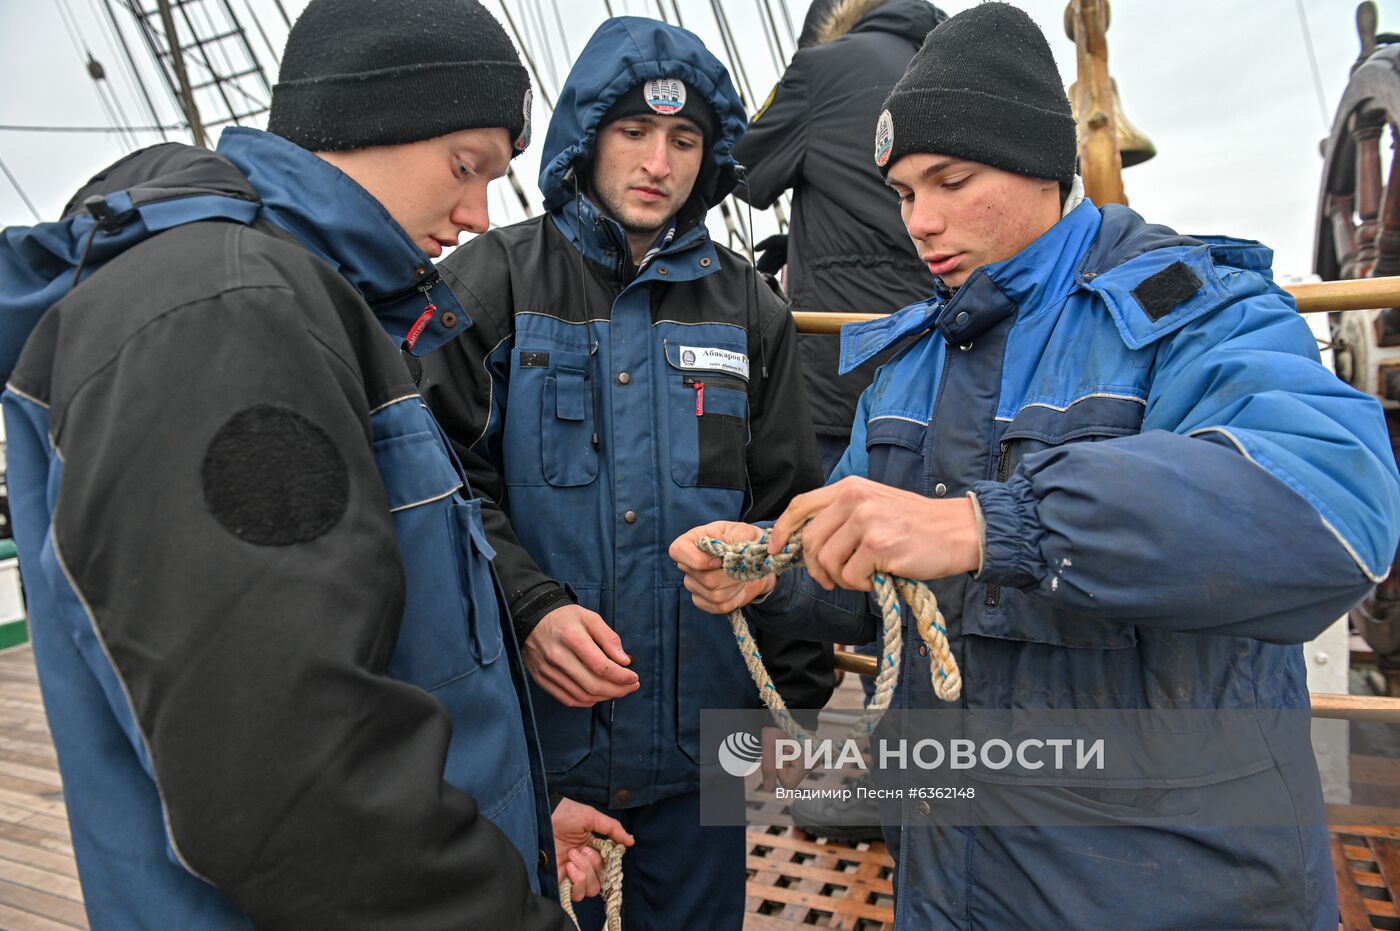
<point>38,879</point>
<point>794,881</point>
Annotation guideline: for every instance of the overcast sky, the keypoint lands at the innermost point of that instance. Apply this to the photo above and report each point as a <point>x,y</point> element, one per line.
<point>1223,87</point>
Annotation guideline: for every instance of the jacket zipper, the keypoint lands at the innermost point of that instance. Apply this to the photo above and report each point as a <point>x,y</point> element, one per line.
<point>690,381</point>
<point>1003,468</point>
<point>715,381</point>
<point>422,287</point>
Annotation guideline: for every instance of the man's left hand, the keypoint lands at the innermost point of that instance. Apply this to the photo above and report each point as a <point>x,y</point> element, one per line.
<point>574,825</point>
<point>858,527</point>
<point>789,775</point>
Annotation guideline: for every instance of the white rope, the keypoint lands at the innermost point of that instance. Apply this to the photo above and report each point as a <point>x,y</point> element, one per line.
<point>751,561</point>
<point>612,884</point>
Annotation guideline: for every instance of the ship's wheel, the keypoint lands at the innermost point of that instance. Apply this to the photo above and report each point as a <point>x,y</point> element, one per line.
<point>1358,236</point>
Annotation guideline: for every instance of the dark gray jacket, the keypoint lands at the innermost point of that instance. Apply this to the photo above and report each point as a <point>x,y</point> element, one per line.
<point>848,249</point>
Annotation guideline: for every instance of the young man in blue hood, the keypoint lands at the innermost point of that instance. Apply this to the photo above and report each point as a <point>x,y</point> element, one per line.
<point>1114,452</point>
<point>274,656</point>
<point>623,376</point>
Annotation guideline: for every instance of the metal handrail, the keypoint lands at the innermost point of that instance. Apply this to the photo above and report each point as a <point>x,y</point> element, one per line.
<point>1314,297</point>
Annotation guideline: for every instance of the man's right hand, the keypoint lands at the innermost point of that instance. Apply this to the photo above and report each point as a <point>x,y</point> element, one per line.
<point>576,657</point>
<point>711,588</point>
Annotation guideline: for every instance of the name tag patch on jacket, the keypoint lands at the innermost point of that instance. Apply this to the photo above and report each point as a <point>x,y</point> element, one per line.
<point>714,360</point>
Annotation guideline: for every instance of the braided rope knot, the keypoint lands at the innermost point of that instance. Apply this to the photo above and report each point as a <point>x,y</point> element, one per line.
<point>749,561</point>
<point>612,853</point>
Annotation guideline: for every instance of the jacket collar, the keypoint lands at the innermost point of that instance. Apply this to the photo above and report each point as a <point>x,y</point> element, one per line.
<point>690,254</point>
<point>1038,276</point>
<point>342,224</point>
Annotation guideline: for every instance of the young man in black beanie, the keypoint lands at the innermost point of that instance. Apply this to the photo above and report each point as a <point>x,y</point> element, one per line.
<point>1099,428</point>
<point>625,377</point>
<point>279,672</point>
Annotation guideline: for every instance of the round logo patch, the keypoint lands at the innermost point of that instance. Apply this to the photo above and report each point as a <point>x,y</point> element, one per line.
<point>665,95</point>
<point>884,138</point>
<point>522,141</point>
<point>688,358</point>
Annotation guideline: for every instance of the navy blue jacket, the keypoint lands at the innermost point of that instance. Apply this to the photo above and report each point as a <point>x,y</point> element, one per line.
<point>686,372</point>
<point>268,635</point>
<point>1176,495</point>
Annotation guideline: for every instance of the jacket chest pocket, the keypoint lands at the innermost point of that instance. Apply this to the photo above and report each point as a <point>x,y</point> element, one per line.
<point>1009,614</point>
<point>1038,427</point>
<point>549,435</point>
<point>452,617</point>
<point>894,448</point>
<point>708,414</point>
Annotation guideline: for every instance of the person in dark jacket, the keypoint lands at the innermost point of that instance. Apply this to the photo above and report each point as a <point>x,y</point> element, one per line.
<point>274,656</point>
<point>1114,453</point>
<point>847,251</point>
<point>623,376</point>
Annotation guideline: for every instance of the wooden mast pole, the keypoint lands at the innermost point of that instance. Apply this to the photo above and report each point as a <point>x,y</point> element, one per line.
<point>177,61</point>
<point>1100,161</point>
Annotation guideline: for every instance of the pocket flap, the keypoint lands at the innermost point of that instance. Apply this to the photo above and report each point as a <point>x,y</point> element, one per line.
<point>570,394</point>
<point>477,530</point>
<point>1091,415</point>
<point>1018,616</point>
<point>415,469</point>
<point>895,431</point>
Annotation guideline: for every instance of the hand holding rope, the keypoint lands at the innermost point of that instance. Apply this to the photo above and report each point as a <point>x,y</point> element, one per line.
<point>750,561</point>
<point>612,884</point>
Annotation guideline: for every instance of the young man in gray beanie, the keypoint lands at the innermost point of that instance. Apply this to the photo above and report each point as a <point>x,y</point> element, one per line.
<point>1100,427</point>
<point>280,675</point>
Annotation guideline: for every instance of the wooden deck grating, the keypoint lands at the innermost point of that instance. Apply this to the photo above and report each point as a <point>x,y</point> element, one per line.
<point>794,881</point>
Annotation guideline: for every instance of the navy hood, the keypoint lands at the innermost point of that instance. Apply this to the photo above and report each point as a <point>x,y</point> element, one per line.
<point>622,53</point>
<point>144,194</point>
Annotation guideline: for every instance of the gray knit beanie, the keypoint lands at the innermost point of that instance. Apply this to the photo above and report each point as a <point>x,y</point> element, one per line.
<point>984,87</point>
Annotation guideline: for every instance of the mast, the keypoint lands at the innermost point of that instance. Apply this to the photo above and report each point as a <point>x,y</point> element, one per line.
<point>177,62</point>
<point>1100,161</point>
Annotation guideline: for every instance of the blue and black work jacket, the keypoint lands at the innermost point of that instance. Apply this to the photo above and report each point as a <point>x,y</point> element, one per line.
<point>272,649</point>
<point>603,410</point>
<point>1177,494</point>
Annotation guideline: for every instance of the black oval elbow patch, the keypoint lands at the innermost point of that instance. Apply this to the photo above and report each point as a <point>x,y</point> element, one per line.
<point>273,478</point>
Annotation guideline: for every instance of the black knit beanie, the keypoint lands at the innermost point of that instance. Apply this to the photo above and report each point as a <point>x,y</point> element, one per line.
<point>360,73</point>
<point>984,87</point>
<point>667,97</point>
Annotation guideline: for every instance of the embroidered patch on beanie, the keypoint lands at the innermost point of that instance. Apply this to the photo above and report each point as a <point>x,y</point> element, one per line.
<point>884,138</point>
<point>522,141</point>
<point>665,95</point>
